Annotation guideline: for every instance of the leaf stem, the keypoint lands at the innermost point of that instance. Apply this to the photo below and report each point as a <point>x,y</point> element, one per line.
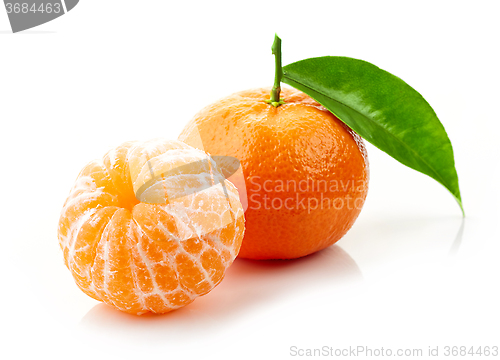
<point>275,99</point>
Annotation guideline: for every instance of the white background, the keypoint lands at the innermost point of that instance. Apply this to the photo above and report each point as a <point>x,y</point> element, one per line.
<point>410,274</point>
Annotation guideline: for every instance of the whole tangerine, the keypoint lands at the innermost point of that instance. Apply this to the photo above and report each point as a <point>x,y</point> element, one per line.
<point>306,173</point>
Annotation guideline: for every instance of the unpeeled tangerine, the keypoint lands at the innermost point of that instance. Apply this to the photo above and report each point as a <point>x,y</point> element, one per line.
<point>158,254</point>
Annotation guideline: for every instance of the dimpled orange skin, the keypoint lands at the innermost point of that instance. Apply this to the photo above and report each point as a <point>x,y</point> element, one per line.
<point>299,142</point>
<point>146,257</point>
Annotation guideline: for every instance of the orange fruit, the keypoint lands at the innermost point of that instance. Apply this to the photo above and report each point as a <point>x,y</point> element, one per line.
<point>160,253</point>
<point>306,173</point>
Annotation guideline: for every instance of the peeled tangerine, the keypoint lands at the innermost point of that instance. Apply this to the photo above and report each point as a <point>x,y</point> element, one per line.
<point>151,226</point>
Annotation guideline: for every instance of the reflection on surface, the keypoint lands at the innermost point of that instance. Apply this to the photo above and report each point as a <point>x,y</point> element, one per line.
<point>248,285</point>
<point>458,239</point>
<point>384,244</point>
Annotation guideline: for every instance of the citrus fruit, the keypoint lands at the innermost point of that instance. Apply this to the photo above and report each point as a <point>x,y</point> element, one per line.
<point>306,173</point>
<point>160,253</point>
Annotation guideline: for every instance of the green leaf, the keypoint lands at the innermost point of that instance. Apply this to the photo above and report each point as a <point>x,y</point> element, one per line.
<point>382,109</point>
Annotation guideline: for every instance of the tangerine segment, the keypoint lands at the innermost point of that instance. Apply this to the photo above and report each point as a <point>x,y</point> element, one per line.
<point>153,256</point>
